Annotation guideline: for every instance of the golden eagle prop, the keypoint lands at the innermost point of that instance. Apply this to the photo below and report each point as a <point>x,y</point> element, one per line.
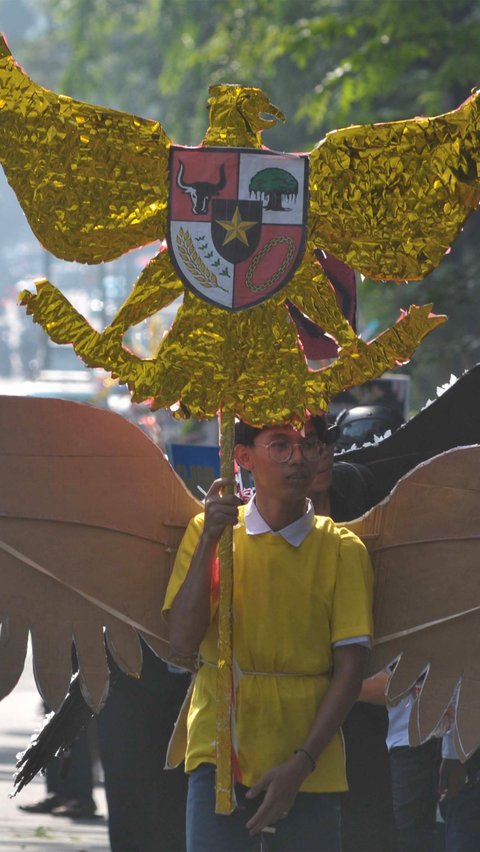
<point>386,199</point>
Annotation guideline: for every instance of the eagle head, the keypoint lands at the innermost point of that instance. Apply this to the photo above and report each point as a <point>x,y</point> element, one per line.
<point>238,114</point>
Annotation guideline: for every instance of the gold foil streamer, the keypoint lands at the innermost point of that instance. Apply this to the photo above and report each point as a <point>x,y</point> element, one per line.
<point>224,803</point>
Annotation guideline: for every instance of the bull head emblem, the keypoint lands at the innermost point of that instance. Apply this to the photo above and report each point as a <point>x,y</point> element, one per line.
<point>202,191</point>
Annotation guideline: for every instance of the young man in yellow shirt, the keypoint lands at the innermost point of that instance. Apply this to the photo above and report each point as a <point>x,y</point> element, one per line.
<point>302,625</point>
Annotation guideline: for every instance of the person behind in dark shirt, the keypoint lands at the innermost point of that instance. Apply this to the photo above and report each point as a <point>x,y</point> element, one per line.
<point>342,491</point>
<point>146,803</point>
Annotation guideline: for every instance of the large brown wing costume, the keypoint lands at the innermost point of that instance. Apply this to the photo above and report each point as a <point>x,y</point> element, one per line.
<point>91,514</point>
<point>424,541</point>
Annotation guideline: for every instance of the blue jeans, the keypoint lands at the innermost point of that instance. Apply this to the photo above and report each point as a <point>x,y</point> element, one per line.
<point>462,821</point>
<point>414,787</point>
<point>313,824</point>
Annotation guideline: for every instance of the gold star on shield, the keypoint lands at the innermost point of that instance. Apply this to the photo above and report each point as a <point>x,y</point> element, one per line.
<point>236,229</point>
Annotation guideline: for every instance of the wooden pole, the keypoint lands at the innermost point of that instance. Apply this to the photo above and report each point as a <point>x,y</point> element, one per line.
<point>224,801</point>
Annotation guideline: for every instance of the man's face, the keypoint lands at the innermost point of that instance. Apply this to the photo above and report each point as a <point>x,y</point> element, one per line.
<point>287,480</point>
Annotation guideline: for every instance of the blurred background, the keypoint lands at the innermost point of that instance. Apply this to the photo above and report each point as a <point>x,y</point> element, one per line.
<point>326,64</point>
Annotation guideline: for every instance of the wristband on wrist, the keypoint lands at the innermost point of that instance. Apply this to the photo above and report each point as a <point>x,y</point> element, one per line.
<point>307,753</point>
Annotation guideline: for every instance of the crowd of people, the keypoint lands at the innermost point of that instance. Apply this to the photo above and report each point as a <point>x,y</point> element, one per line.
<point>302,627</point>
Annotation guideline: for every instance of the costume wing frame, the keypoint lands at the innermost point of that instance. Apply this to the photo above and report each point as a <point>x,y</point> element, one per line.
<point>91,516</point>
<point>424,542</point>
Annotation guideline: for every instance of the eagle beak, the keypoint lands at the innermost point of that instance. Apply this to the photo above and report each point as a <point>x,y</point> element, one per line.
<point>265,121</point>
<point>272,110</point>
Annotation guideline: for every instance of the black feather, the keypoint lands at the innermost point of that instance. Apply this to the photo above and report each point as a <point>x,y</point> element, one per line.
<point>58,732</point>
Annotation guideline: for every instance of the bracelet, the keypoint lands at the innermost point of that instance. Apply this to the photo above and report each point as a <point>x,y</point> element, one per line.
<point>307,753</point>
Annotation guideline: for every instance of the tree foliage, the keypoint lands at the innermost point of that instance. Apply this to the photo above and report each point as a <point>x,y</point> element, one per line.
<point>325,63</point>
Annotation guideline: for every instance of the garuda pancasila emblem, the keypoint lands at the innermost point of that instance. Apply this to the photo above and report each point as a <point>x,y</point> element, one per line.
<point>387,199</point>
<point>238,239</point>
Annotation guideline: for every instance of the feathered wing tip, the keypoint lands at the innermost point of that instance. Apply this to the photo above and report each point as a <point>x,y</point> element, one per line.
<point>424,545</point>
<point>57,733</point>
<point>60,730</point>
<point>13,651</point>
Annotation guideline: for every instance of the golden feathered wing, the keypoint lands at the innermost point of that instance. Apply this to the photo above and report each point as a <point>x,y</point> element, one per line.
<point>90,180</point>
<point>389,199</point>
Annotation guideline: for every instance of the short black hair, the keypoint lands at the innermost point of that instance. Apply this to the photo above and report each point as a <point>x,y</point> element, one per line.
<point>246,434</point>
<point>326,433</point>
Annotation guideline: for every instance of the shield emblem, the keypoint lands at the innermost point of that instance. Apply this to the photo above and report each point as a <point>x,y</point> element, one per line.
<point>237,221</point>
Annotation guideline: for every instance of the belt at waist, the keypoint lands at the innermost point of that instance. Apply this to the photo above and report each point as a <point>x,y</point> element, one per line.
<point>210,664</point>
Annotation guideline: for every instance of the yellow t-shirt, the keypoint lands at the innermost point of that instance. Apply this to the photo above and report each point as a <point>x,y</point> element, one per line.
<point>290,605</point>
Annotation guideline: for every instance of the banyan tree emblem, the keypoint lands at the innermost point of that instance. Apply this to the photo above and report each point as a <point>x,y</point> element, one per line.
<point>237,221</point>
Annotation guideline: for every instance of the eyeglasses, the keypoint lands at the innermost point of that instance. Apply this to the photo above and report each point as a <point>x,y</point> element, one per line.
<point>281,449</point>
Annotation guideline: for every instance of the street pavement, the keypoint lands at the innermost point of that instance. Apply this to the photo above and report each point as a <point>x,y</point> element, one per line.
<point>20,714</point>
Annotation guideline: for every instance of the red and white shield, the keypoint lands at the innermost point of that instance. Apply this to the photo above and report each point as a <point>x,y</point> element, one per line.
<point>237,221</point>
